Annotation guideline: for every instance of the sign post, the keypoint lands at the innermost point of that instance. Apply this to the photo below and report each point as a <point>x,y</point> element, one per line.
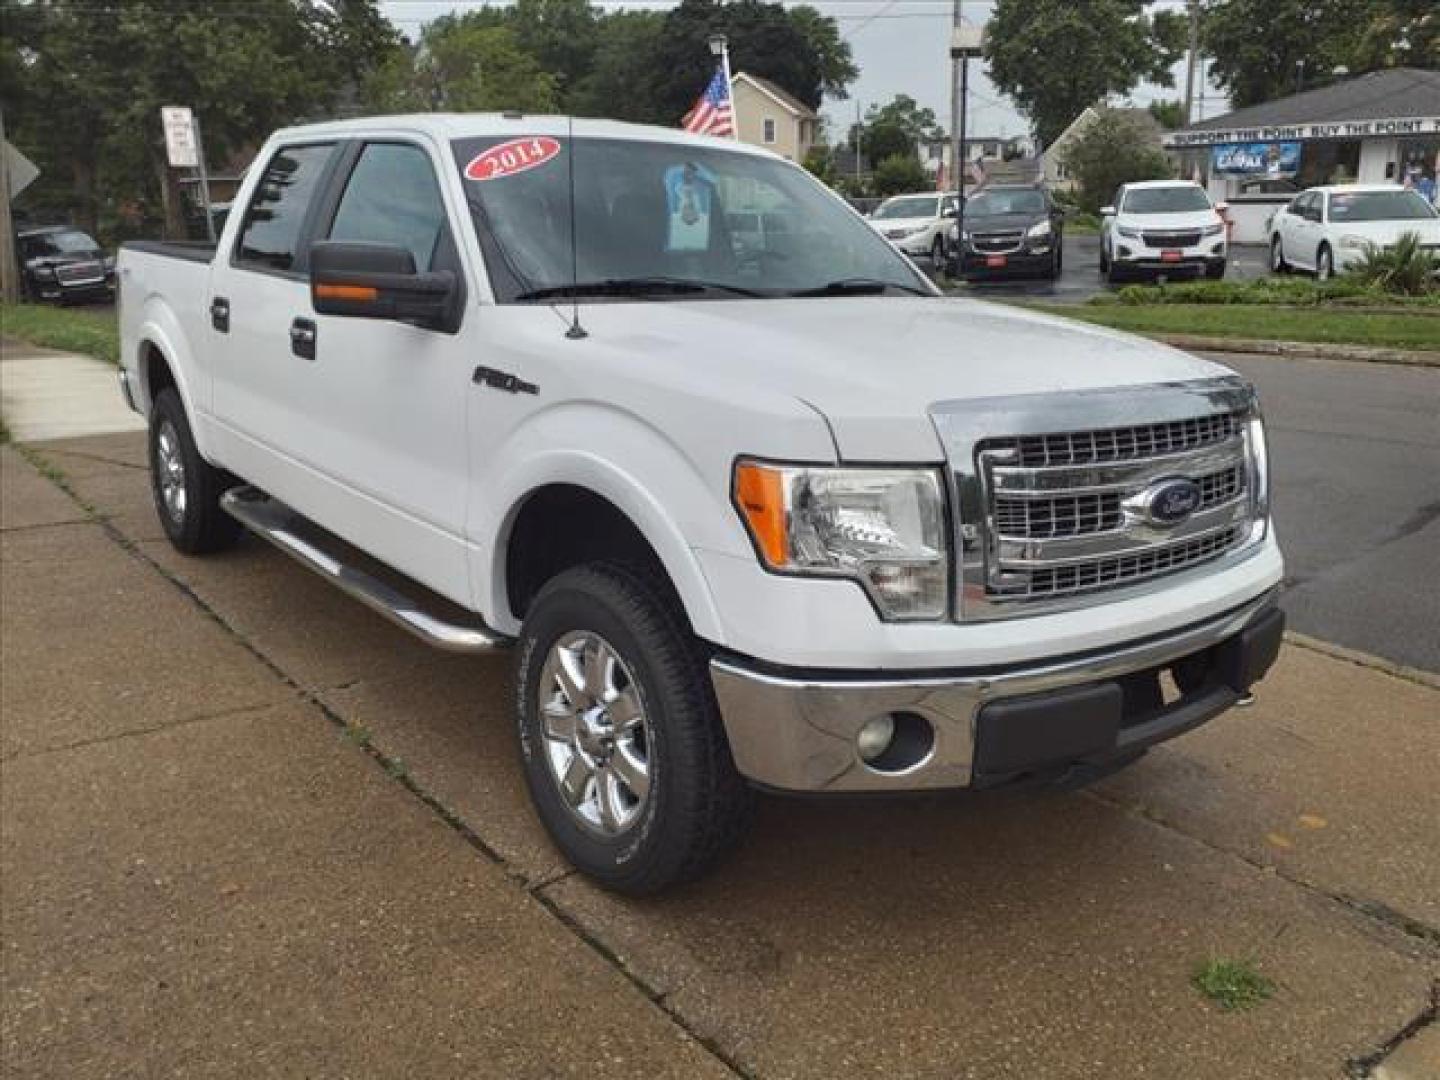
<point>185,150</point>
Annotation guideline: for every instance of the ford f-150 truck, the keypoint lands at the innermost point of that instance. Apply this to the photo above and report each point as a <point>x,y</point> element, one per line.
<point>772,515</point>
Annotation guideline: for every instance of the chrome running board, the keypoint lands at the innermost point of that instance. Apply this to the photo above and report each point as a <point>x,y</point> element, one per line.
<point>340,564</point>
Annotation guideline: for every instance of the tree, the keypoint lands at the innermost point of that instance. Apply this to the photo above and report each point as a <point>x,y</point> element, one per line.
<point>900,174</point>
<point>795,53</point>
<point>464,63</point>
<point>1057,57</point>
<point>820,163</point>
<point>1170,114</point>
<point>1264,49</point>
<point>1257,46</point>
<point>1111,151</point>
<point>897,129</point>
<point>620,82</point>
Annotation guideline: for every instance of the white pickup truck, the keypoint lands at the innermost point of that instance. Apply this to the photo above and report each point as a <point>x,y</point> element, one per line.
<point>772,515</point>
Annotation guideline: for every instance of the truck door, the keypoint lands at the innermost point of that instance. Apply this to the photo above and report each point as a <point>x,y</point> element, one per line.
<point>363,420</point>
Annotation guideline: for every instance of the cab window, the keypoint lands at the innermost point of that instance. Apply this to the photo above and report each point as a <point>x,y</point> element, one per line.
<point>270,234</point>
<point>392,197</point>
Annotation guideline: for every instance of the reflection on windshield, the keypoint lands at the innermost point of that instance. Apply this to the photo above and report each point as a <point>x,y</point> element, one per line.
<point>1379,206</point>
<point>905,208</point>
<point>1006,202</point>
<point>653,218</point>
<point>60,243</point>
<point>1165,200</point>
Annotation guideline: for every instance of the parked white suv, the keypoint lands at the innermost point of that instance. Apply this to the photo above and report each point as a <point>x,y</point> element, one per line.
<point>772,515</point>
<point>1327,229</point>
<point>917,224</point>
<point>1162,227</point>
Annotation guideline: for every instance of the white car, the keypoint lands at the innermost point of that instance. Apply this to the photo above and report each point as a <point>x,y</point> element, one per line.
<point>1162,227</point>
<point>785,517</point>
<point>1326,230</point>
<point>916,224</point>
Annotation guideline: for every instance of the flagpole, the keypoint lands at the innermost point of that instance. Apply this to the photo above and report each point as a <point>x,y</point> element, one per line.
<point>720,46</point>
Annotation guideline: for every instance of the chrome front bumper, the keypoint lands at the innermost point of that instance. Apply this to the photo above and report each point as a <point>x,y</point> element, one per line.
<point>797,733</point>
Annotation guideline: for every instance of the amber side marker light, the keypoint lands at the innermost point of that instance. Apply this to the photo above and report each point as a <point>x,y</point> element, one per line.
<point>347,292</point>
<point>760,494</point>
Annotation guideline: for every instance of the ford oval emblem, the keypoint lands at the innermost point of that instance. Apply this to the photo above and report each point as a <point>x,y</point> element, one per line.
<point>1170,502</point>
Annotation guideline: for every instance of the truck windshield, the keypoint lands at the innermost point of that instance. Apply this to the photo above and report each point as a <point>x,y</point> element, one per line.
<point>1165,200</point>
<point>58,243</point>
<point>1398,205</point>
<point>665,221</point>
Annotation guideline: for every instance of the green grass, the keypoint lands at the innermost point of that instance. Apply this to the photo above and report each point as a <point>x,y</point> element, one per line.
<point>1390,329</point>
<point>1234,985</point>
<point>1342,292</point>
<point>93,333</point>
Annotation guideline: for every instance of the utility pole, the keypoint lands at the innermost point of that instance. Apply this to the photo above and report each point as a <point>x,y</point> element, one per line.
<point>1190,62</point>
<point>9,272</point>
<point>957,109</point>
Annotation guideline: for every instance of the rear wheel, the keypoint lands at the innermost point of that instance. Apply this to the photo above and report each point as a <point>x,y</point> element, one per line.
<point>185,486</point>
<point>1215,271</point>
<point>1324,264</point>
<point>621,738</point>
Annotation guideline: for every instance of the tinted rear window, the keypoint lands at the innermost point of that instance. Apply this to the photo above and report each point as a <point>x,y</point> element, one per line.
<point>271,231</point>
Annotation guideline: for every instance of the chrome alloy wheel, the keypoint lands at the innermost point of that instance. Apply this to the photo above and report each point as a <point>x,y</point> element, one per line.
<point>597,737</point>
<point>170,471</point>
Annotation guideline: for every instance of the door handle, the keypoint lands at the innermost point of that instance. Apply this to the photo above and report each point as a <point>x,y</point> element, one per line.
<point>220,314</point>
<point>302,338</point>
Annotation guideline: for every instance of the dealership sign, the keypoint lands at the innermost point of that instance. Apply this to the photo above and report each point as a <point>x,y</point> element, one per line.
<point>1256,159</point>
<point>1340,129</point>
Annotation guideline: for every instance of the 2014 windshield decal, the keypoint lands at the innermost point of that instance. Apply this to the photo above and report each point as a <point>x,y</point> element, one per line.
<point>514,156</point>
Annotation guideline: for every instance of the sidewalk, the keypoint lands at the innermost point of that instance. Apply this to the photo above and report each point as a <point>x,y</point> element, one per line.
<point>249,828</point>
<point>46,394</point>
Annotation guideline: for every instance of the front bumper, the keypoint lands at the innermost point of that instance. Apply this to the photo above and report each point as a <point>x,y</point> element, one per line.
<point>791,731</point>
<point>1134,256</point>
<point>975,264</point>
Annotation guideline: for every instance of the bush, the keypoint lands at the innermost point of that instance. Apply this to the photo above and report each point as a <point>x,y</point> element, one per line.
<point>1405,269</point>
<point>1345,291</point>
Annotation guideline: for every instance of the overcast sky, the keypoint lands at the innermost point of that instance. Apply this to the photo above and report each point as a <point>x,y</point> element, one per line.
<point>900,46</point>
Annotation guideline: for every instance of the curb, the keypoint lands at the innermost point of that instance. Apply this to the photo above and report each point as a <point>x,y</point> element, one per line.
<point>1303,350</point>
<point>1364,659</point>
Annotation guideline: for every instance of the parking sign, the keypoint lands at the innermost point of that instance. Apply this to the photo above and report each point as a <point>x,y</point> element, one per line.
<point>179,136</point>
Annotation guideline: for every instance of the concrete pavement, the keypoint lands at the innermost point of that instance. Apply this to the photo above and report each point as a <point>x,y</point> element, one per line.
<point>46,394</point>
<point>249,826</point>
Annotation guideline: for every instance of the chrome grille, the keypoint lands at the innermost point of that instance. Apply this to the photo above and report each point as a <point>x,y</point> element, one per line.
<point>1124,569</point>
<point>996,243</point>
<point>78,273</point>
<point>1049,517</point>
<point>1121,444</point>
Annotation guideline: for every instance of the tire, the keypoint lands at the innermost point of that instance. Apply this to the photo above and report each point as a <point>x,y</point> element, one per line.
<point>1324,264</point>
<point>1114,274</point>
<point>186,487</point>
<point>1053,270</point>
<point>1278,265</point>
<point>654,802</point>
<point>1104,259</point>
<point>937,253</point>
<point>1215,273</point>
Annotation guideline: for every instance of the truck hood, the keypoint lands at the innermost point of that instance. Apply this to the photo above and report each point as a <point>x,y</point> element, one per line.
<point>1186,219</point>
<point>873,366</point>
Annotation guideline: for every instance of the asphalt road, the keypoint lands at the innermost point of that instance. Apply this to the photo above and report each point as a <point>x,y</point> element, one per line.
<point>1356,451</point>
<point>1080,279</point>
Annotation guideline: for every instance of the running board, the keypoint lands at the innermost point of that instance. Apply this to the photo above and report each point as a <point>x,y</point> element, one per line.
<point>340,564</point>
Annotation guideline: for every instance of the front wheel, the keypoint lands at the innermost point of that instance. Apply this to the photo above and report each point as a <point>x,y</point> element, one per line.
<point>185,486</point>
<point>1215,271</point>
<point>937,253</point>
<point>1324,264</point>
<point>1278,265</point>
<point>624,752</point>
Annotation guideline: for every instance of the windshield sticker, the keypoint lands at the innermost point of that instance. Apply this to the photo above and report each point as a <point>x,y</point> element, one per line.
<point>689,193</point>
<point>510,158</point>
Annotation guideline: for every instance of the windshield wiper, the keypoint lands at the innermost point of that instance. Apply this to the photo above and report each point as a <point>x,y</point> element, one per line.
<point>637,286</point>
<point>857,287</point>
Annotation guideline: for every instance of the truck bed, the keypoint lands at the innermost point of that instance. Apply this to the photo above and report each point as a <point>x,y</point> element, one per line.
<point>200,251</point>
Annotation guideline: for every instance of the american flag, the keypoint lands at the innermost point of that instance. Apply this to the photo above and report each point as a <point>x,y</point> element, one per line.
<point>713,114</point>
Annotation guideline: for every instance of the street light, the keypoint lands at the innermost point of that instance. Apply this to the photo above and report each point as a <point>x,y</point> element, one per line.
<point>720,49</point>
<point>717,45</point>
<point>966,40</point>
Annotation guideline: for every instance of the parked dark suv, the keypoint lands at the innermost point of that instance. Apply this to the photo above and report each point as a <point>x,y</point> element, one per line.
<point>1010,229</point>
<point>61,263</point>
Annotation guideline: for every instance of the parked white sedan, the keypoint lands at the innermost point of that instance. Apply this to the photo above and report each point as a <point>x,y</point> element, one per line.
<point>916,224</point>
<point>1325,230</point>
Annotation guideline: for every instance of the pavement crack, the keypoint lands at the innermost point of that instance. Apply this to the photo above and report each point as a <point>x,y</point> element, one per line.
<point>1373,910</point>
<point>101,459</point>
<point>169,725</point>
<point>1358,1068</point>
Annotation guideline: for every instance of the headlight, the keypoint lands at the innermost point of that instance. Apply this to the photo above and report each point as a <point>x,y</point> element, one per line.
<point>1126,230</point>
<point>1216,229</point>
<point>44,273</point>
<point>884,528</point>
<point>1355,243</point>
<point>1038,231</point>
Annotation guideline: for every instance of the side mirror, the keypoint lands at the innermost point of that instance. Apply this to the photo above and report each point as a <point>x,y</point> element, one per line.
<point>953,212</point>
<point>1107,211</point>
<point>379,281</point>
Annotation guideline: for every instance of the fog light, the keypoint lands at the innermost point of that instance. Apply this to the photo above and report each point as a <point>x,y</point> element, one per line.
<point>874,738</point>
